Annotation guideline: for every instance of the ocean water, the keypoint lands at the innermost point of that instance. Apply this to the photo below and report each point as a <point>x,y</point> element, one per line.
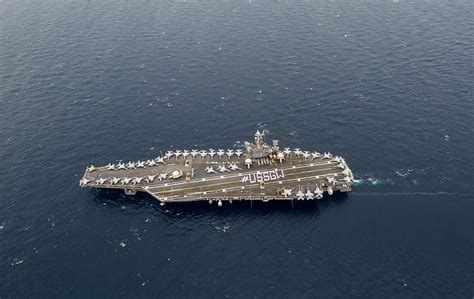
<point>386,84</point>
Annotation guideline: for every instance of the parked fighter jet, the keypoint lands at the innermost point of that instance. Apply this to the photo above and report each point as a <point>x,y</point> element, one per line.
<point>238,153</point>
<point>162,176</point>
<point>306,155</point>
<point>229,153</point>
<point>220,153</point>
<point>212,153</point>
<point>160,160</point>
<point>121,166</point>
<point>194,153</point>
<point>177,153</point>
<point>100,181</point>
<point>140,164</point>
<point>203,154</point>
<point>318,192</point>
<point>327,155</point>
<point>84,182</point>
<point>114,181</point>
<point>131,165</point>
<point>169,154</point>
<point>287,192</point>
<point>185,153</point>
<point>222,168</point>
<point>297,152</point>
<point>150,163</point>
<point>300,195</point>
<point>210,169</point>
<point>91,168</point>
<point>125,181</point>
<point>110,166</point>
<point>315,155</point>
<point>234,166</point>
<point>137,181</point>
<point>309,195</point>
<point>287,151</point>
<point>150,178</point>
<point>331,180</point>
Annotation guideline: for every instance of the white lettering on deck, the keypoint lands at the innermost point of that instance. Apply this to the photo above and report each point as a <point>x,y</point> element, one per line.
<point>263,176</point>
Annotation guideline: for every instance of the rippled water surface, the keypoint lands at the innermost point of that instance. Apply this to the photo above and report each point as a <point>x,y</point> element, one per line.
<point>386,84</point>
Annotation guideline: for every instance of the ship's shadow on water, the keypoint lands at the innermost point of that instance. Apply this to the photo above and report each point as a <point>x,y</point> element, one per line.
<point>142,201</point>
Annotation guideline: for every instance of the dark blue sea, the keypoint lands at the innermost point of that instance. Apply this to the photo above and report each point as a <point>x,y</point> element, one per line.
<point>386,84</point>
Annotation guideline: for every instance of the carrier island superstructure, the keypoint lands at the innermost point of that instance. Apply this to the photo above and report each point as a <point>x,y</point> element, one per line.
<point>258,172</point>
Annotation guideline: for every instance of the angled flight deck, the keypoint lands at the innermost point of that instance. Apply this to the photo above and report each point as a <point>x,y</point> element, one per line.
<point>259,172</point>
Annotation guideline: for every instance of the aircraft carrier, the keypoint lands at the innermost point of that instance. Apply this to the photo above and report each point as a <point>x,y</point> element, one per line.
<point>258,172</point>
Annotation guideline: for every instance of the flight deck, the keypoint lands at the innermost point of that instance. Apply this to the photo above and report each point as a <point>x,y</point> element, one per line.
<point>259,172</point>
